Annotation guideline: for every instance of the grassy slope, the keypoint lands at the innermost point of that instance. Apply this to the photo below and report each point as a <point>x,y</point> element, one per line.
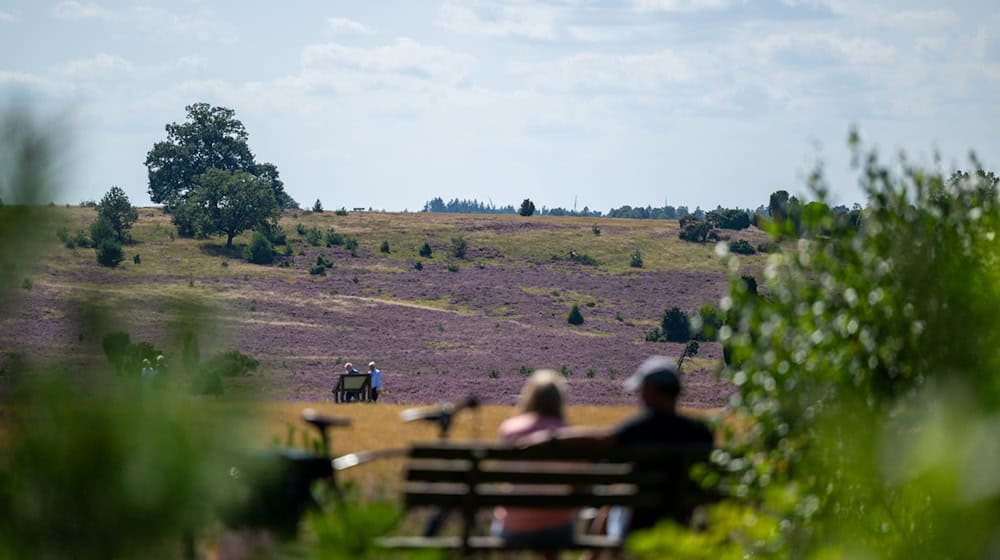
<point>174,271</point>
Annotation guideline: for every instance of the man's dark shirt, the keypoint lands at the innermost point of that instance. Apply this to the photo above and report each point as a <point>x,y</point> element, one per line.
<point>649,428</point>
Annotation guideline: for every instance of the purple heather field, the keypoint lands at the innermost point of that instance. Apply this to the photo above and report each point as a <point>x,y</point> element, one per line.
<point>437,335</point>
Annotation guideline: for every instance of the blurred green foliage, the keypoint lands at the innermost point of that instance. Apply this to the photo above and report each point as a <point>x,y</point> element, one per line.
<point>868,406</point>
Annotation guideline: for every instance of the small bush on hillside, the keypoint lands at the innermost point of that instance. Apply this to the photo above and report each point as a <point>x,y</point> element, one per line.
<point>741,247</point>
<point>582,258</point>
<point>314,236</point>
<point>351,244</point>
<point>636,260</point>
<point>136,259</point>
<point>674,327</point>
<point>575,317</point>
<point>109,253</point>
<point>260,250</point>
<point>300,229</point>
<point>274,233</point>
<point>26,284</point>
<point>419,265</point>
<point>231,364</point>
<point>750,282</point>
<point>332,238</point>
<point>697,231</point>
<point>384,248</point>
<point>341,212</point>
<point>768,247</point>
<point>317,206</point>
<point>288,251</point>
<point>596,230</point>
<point>426,251</point>
<point>452,267</point>
<point>317,270</point>
<point>324,261</point>
<point>100,230</point>
<point>459,247</point>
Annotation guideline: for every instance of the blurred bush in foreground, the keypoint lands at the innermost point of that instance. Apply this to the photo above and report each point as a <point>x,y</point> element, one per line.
<point>869,397</point>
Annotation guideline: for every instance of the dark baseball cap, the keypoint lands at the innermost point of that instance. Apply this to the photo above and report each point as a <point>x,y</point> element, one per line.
<point>658,370</point>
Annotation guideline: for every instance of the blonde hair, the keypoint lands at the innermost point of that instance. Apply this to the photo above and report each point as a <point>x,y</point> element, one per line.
<point>543,394</point>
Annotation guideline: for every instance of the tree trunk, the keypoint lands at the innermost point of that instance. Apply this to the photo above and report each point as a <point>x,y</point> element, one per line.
<point>229,240</point>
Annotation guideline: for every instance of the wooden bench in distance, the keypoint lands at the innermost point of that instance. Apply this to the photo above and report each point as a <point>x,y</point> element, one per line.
<point>469,477</point>
<point>359,384</point>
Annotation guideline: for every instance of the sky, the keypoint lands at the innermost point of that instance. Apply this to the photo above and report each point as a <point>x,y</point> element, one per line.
<point>570,103</point>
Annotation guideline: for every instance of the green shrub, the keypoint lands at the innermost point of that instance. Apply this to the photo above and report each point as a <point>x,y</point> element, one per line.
<point>260,250</point>
<point>341,212</point>
<point>274,233</point>
<point>314,236</point>
<point>636,259</point>
<point>317,270</point>
<point>333,239</point>
<point>459,247</point>
<point>418,265</point>
<point>384,248</point>
<point>100,230</point>
<point>109,253</point>
<point>741,247</point>
<point>317,206</point>
<point>675,325</point>
<point>231,364</point>
<point>351,244</point>
<point>426,251</point>
<point>287,251</point>
<point>300,229</point>
<point>582,258</point>
<point>768,247</point>
<point>26,284</point>
<point>452,267</point>
<point>596,230</point>
<point>136,259</point>
<point>575,317</point>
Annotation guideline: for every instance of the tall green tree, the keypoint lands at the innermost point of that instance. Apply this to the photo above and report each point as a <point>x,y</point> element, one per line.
<point>116,208</point>
<point>229,203</point>
<point>527,207</point>
<point>210,138</point>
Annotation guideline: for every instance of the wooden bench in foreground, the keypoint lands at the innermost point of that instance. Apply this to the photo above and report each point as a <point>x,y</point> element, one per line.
<point>468,477</point>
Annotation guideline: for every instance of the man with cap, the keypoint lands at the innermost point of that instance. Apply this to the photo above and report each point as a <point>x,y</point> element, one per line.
<point>376,380</point>
<point>657,382</point>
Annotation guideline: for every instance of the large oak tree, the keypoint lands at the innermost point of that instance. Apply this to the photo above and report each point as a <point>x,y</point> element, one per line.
<point>210,138</point>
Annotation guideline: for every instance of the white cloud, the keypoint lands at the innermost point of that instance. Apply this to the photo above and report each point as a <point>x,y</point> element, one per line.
<point>348,26</point>
<point>683,5</point>
<point>921,18</point>
<point>77,11</point>
<point>824,49</point>
<point>654,73</point>
<point>34,82</point>
<point>491,19</point>
<point>404,58</point>
<point>98,68</point>
<point>7,17</point>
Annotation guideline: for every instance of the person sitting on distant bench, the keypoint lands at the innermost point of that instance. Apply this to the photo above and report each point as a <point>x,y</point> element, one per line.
<point>350,395</point>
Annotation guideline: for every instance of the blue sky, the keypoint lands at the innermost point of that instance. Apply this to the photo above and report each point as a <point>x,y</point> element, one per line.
<point>388,104</point>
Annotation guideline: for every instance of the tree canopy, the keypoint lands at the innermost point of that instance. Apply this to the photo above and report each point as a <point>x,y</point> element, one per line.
<point>210,138</point>
<point>229,203</point>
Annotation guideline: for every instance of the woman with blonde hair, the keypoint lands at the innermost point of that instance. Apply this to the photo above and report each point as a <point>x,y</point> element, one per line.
<point>541,407</point>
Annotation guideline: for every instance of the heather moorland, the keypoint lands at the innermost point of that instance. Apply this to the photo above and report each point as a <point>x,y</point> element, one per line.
<point>439,330</point>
